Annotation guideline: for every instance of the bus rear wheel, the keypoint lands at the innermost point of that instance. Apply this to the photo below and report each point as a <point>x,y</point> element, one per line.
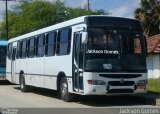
<point>64,94</point>
<point>23,86</point>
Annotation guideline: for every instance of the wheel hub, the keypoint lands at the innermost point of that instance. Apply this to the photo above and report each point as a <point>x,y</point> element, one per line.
<point>64,90</point>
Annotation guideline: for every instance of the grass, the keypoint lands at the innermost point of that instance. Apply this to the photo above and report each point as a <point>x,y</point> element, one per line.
<point>154,85</point>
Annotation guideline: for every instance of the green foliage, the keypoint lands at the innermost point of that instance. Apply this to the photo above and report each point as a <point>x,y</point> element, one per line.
<point>149,15</point>
<point>103,12</point>
<point>154,85</point>
<point>30,16</point>
<point>2,34</point>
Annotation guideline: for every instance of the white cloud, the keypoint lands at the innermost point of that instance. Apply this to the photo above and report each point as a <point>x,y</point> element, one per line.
<point>126,10</point>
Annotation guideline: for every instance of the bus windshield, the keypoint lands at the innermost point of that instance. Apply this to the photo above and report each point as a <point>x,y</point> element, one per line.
<point>115,49</point>
<point>3,51</point>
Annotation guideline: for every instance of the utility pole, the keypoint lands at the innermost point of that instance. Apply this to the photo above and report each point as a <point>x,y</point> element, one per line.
<point>88,5</point>
<point>6,20</point>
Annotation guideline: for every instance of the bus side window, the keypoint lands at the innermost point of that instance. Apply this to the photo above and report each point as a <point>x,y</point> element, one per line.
<point>9,51</point>
<point>20,49</point>
<point>31,48</point>
<point>28,48</point>
<point>40,46</point>
<point>24,48</point>
<point>17,51</point>
<point>50,44</point>
<point>64,42</point>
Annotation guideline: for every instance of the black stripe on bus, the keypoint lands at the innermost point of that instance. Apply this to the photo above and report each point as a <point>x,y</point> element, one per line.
<point>8,72</point>
<point>43,75</point>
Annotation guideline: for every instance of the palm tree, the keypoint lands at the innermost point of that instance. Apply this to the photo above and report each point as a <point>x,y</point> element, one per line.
<point>149,15</point>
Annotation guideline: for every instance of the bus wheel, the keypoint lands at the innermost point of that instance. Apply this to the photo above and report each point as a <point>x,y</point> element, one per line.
<point>23,86</point>
<point>64,94</point>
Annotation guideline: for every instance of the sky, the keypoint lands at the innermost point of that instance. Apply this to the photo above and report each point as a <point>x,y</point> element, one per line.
<point>123,8</point>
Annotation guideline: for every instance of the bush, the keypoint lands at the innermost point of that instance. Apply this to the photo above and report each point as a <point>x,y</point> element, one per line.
<point>154,85</point>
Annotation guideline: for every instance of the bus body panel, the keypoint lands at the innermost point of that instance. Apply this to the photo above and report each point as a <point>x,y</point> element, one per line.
<point>8,70</point>
<point>35,72</point>
<point>53,67</point>
<point>17,70</point>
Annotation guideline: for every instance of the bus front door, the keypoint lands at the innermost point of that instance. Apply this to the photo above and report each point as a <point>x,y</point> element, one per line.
<point>77,63</point>
<point>13,64</point>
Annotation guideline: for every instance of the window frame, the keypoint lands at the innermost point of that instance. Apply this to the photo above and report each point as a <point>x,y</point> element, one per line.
<point>17,50</point>
<point>60,44</point>
<point>47,44</point>
<point>20,49</point>
<point>29,54</point>
<point>37,46</point>
<point>24,49</point>
<point>9,51</point>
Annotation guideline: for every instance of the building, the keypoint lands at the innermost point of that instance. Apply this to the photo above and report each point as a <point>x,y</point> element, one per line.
<point>153,59</point>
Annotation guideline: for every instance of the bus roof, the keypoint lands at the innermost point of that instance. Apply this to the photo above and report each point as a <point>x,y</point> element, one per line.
<point>70,22</point>
<point>50,28</point>
<point>3,43</point>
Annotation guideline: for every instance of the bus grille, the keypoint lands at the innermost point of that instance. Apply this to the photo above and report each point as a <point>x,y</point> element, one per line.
<point>120,75</point>
<point>118,83</point>
<point>121,91</point>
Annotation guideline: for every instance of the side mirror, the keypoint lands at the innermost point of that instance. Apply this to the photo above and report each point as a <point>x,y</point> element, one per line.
<point>84,37</point>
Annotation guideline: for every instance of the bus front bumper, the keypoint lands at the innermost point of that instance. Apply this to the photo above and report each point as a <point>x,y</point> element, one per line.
<point>94,84</point>
<point>109,90</point>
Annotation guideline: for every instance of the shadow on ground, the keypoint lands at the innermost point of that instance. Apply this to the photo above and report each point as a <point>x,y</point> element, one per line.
<point>41,91</point>
<point>118,100</point>
<point>5,82</point>
<point>102,101</point>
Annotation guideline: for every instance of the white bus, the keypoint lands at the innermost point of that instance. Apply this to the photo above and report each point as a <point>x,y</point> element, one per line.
<point>88,55</point>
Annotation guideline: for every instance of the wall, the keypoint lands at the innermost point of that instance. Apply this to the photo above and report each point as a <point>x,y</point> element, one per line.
<point>153,66</point>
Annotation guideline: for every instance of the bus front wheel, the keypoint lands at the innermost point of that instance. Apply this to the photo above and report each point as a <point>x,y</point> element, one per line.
<point>64,94</point>
<point>23,86</point>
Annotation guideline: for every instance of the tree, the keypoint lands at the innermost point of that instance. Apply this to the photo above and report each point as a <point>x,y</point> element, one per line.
<point>149,15</point>
<point>30,16</point>
<point>103,12</point>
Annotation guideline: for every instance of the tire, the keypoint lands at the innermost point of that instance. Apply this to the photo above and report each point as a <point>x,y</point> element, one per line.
<point>23,86</point>
<point>64,94</point>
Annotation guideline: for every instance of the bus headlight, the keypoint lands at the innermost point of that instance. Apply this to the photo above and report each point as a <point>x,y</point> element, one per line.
<point>141,84</point>
<point>96,82</point>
